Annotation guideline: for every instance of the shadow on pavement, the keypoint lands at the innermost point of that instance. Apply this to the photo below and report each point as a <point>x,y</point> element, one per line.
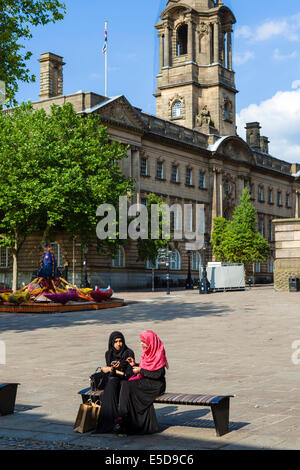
<point>40,428</point>
<point>128,314</point>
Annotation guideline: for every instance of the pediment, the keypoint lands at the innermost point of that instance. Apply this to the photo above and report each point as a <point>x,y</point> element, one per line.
<point>120,111</point>
<point>234,148</point>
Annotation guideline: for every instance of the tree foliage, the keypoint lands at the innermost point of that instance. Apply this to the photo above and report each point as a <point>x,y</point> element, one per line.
<point>17,17</point>
<point>148,248</point>
<point>237,241</point>
<point>55,170</point>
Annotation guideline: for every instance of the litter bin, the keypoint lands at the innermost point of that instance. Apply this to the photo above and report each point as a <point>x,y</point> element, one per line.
<point>8,393</point>
<point>294,284</point>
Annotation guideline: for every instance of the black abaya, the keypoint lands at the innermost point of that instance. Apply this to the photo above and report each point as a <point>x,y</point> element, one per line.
<point>136,402</point>
<point>112,383</point>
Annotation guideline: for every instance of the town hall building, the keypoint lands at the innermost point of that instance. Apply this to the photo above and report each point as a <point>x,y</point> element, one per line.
<point>188,153</point>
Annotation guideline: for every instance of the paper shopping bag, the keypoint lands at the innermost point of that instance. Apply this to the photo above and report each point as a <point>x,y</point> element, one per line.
<point>87,417</point>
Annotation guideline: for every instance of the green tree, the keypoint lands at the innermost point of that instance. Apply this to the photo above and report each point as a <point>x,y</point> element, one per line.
<point>55,170</point>
<point>148,248</point>
<point>17,17</point>
<point>237,241</point>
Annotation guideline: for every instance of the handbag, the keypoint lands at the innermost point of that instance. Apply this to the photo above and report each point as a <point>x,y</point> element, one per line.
<point>87,417</point>
<point>97,380</point>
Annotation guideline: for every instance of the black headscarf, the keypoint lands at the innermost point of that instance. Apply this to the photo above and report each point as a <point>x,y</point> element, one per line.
<point>113,355</point>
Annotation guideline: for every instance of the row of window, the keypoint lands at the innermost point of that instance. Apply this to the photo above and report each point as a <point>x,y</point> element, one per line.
<point>261,196</point>
<point>118,261</point>
<point>160,173</point>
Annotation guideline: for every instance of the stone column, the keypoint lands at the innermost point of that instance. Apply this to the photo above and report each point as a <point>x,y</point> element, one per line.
<point>167,45</point>
<point>214,205</point>
<point>161,51</point>
<point>216,41</point>
<point>190,40</point>
<point>229,50</point>
<point>220,187</point>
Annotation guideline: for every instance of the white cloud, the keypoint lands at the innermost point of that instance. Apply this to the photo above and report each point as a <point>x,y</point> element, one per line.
<point>278,56</point>
<point>296,84</point>
<point>279,117</point>
<point>240,59</point>
<point>286,27</point>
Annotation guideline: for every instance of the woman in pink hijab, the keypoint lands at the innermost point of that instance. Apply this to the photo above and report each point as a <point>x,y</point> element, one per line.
<point>137,414</point>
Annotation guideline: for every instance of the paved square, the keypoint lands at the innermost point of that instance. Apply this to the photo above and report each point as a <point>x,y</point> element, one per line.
<point>225,343</point>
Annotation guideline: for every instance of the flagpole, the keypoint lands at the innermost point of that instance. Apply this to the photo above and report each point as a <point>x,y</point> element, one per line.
<point>106,62</point>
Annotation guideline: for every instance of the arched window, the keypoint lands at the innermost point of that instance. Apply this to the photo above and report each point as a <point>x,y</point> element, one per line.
<point>118,261</point>
<point>175,264</point>
<point>177,109</point>
<point>58,253</point>
<point>182,39</point>
<point>149,264</point>
<point>196,261</point>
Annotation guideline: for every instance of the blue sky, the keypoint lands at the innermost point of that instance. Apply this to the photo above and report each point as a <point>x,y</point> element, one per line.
<point>266,59</point>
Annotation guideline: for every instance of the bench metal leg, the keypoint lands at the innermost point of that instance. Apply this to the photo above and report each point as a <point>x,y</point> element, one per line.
<point>221,417</point>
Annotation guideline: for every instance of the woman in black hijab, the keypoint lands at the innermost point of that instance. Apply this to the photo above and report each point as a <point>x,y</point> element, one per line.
<point>117,369</point>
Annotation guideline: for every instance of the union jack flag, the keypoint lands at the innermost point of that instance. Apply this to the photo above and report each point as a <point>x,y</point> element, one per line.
<point>104,49</point>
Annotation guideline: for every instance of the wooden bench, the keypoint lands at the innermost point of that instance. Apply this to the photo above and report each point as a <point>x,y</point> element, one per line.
<point>219,404</point>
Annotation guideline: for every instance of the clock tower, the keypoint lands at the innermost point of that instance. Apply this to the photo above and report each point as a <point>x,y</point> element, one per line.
<point>195,84</point>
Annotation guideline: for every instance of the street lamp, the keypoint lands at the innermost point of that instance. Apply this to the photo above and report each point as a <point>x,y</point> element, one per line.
<point>204,285</point>
<point>189,280</point>
<point>85,279</point>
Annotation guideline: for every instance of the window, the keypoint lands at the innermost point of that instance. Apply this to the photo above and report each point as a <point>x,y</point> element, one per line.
<point>271,266</point>
<point>270,196</point>
<point>182,39</point>
<point>149,264</point>
<point>174,176</point>
<point>175,264</point>
<point>202,180</point>
<point>160,170</point>
<point>188,177</point>
<point>251,188</point>
<point>279,198</point>
<point>177,110</point>
<point>261,226</point>
<point>3,257</point>
<point>287,200</point>
<point>144,201</point>
<point>260,194</point>
<point>257,267</point>
<point>196,261</point>
<point>144,166</point>
<point>270,230</point>
<point>58,254</point>
<point>118,261</point>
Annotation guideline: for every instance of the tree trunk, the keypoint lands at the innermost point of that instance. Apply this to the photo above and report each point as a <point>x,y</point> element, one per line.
<point>152,279</point>
<point>15,270</point>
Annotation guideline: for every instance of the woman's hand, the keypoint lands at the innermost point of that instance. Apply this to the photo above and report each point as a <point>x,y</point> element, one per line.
<point>131,361</point>
<point>136,370</point>
<point>115,365</point>
<point>106,370</point>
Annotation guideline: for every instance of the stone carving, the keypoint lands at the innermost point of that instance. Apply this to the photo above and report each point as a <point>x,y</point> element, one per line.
<point>203,28</point>
<point>227,109</point>
<point>204,118</point>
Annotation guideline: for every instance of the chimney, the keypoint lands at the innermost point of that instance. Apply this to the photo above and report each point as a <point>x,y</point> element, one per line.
<point>264,144</point>
<point>253,134</point>
<point>51,75</point>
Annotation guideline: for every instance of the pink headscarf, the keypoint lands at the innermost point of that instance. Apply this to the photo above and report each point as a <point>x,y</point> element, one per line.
<point>154,356</point>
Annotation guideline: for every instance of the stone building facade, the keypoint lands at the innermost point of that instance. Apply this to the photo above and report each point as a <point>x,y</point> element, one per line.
<point>188,153</point>
<point>287,244</point>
